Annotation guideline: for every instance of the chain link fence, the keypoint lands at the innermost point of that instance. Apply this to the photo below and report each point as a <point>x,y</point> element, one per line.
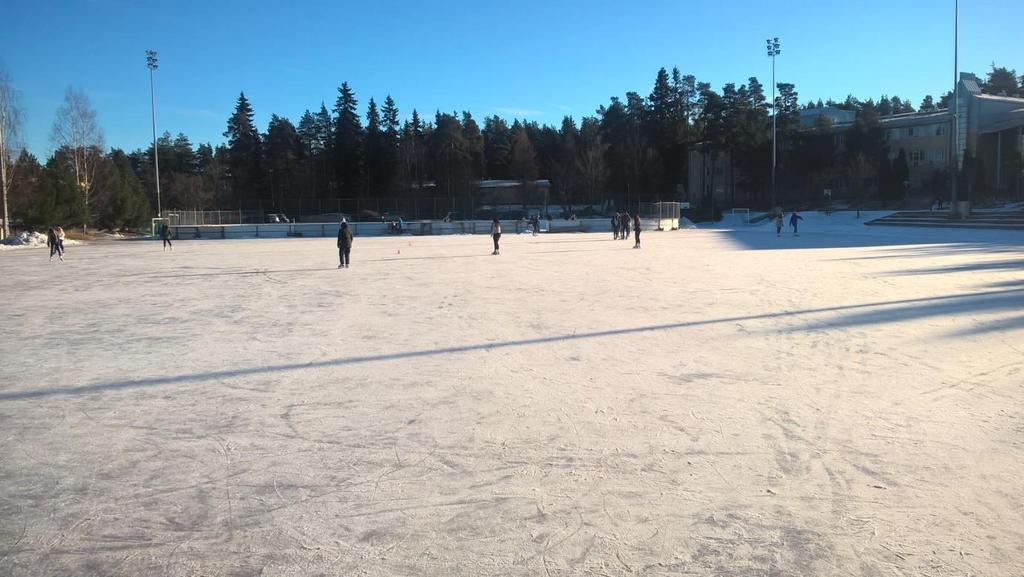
<point>665,215</point>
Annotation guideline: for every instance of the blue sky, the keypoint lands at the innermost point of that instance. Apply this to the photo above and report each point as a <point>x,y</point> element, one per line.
<point>533,59</point>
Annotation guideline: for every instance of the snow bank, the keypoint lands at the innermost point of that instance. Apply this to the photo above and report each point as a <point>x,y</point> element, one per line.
<point>30,240</point>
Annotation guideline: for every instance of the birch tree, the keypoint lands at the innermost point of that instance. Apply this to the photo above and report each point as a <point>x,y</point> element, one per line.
<point>10,143</point>
<point>75,130</point>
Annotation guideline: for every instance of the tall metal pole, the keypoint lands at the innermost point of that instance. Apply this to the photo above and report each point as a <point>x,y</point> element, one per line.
<point>773,51</point>
<point>151,63</point>
<point>775,112</point>
<point>956,110</point>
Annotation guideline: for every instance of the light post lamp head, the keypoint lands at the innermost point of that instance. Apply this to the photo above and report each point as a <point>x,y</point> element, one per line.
<point>151,62</point>
<point>774,47</point>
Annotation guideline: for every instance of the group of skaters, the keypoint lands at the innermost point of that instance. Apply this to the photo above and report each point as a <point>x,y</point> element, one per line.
<point>622,222</point>
<point>794,223</point>
<point>55,242</point>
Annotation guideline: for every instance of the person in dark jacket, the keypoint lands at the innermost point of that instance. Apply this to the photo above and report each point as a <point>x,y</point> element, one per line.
<point>165,235</point>
<point>624,227</point>
<point>344,244</point>
<point>794,219</point>
<point>616,223</point>
<point>52,244</point>
<point>636,230</point>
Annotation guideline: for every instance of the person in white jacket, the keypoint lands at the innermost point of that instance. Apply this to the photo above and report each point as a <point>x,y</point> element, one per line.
<point>496,234</point>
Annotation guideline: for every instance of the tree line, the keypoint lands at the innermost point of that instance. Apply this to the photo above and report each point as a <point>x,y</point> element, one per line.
<point>631,148</point>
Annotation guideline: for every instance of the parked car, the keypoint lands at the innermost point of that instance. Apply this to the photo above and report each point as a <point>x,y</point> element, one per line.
<point>277,217</point>
<point>333,217</point>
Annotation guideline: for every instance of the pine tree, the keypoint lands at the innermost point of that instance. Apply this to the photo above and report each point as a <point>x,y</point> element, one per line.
<point>390,160</point>
<point>283,148</point>
<point>449,156</point>
<point>497,148</point>
<point>348,143</point>
<point>244,152</point>
<point>927,105</point>
<point>1001,82</point>
<point>374,154</point>
<point>125,205</point>
<point>474,146</point>
<point>523,165</point>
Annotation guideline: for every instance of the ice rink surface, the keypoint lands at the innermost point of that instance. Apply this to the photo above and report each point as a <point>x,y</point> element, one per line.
<point>717,403</point>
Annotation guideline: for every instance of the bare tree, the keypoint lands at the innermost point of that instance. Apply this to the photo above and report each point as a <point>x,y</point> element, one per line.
<point>75,130</point>
<point>10,143</point>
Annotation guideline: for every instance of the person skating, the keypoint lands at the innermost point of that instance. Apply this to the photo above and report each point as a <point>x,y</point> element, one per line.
<point>496,235</point>
<point>344,244</point>
<point>165,234</point>
<point>51,241</point>
<point>616,221</point>
<point>60,242</point>
<point>624,232</point>
<point>636,230</point>
<point>794,220</point>
<point>778,223</point>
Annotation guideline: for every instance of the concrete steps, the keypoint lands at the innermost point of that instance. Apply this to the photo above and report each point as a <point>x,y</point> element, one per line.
<point>993,220</point>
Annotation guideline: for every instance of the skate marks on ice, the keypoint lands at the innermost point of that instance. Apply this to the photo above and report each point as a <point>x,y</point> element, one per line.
<point>998,300</point>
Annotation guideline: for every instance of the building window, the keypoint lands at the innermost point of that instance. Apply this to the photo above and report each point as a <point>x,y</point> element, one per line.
<point>940,130</point>
<point>910,132</point>
<point>915,158</point>
<point>939,156</point>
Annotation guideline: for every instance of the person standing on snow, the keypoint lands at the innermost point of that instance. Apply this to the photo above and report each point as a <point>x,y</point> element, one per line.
<point>616,220</point>
<point>794,219</point>
<point>344,244</point>
<point>165,234</point>
<point>778,223</point>
<point>624,232</point>
<point>636,230</point>
<point>496,234</point>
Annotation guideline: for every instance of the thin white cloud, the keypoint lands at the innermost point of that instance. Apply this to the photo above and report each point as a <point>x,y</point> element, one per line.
<point>523,112</point>
<point>194,112</point>
<point>563,108</point>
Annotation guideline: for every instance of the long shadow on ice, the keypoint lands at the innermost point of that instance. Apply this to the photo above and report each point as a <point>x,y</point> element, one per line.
<point>875,313</point>
<point>996,265</point>
<point>845,232</point>
<point>940,250</point>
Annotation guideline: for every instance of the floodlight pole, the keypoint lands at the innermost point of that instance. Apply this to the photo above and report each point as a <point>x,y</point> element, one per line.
<point>151,63</point>
<point>773,51</point>
<point>955,133</point>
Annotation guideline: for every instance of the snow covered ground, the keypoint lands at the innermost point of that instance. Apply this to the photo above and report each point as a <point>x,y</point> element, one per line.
<point>721,402</point>
<point>30,240</point>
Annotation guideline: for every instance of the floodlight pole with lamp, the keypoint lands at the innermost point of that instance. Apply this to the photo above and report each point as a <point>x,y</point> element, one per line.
<point>151,63</point>
<point>953,213</point>
<point>773,51</point>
